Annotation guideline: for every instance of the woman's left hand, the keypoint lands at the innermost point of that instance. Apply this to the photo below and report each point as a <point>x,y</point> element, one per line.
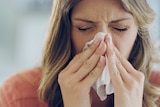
<point>128,82</point>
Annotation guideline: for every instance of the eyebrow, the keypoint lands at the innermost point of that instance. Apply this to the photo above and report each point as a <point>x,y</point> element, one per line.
<point>119,20</point>
<point>84,20</point>
<point>89,21</point>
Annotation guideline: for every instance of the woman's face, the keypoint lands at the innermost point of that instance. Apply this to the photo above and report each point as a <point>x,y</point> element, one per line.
<point>92,16</point>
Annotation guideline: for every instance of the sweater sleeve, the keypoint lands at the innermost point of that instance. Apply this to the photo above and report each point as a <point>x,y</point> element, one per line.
<point>8,92</point>
<point>3,101</point>
<point>21,91</point>
<point>155,78</point>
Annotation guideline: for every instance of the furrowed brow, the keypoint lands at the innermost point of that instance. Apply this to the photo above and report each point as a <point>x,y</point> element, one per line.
<point>119,20</point>
<point>84,20</point>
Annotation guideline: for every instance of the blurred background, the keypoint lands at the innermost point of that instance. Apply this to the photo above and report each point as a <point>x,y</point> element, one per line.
<point>23,26</point>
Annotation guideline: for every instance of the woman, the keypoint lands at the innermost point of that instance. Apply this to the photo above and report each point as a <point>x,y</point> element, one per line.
<point>69,73</point>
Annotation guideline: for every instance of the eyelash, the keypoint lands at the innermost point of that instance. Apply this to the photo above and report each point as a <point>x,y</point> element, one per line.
<point>121,29</point>
<point>118,29</point>
<point>84,29</point>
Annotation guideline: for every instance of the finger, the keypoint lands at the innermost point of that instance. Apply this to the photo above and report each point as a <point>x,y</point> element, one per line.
<point>91,63</point>
<point>79,59</point>
<point>108,42</point>
<point>112,67</point>
<point>114,72</point>
<point>126,77</point>
<point>95,73</point>
<point>127,65</point>
<point>129,68</point>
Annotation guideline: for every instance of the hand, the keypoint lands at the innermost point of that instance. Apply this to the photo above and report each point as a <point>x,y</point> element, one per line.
<point>81,73</point>
<point>128,82</point>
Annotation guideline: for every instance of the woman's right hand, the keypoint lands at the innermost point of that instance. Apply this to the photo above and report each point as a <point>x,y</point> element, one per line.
<point>81,73</point>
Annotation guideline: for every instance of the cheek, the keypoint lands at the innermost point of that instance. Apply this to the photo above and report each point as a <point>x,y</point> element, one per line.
<point>77,43</point>
<point>124,44</point>
<point>79,40</point>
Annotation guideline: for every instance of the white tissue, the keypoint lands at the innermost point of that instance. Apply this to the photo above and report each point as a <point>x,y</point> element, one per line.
<point>103,86</point>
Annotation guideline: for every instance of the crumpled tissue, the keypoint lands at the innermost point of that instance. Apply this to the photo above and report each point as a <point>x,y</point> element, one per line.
<point>103,86</point>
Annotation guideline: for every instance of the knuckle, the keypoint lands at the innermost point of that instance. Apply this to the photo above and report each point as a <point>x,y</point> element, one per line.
<point>60,78</point>
<point>118,63</point>
<point>120,57</point>
<point>64,82</point>
<point>137,81</point>
<point>133,84</point>
<point>88,63</point>
<point>94,73</point>
<point>140,76</point>
<point>116,73</point>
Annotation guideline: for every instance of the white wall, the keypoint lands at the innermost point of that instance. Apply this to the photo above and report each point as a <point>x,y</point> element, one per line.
<point>23,25</point>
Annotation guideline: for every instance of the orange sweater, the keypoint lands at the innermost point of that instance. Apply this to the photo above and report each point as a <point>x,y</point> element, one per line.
<point>20,90</point>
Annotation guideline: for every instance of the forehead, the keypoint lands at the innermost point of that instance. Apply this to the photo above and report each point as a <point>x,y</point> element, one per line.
<point>98,9</point>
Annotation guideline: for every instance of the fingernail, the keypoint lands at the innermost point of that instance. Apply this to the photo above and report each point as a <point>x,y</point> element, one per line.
<point>96,40</point>
<point>110,40</point>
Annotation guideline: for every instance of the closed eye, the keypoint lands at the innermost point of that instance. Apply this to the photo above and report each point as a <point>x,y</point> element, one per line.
<point>121,29</point>
<point>84,29</point>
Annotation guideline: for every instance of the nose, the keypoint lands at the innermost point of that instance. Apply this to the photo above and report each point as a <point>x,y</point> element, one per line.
<point>103,27</point>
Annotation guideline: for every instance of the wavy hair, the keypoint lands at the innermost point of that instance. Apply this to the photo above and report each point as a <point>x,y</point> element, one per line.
<point>58,49</point>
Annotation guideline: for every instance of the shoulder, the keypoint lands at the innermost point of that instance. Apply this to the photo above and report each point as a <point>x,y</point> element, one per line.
<point>20,90</point>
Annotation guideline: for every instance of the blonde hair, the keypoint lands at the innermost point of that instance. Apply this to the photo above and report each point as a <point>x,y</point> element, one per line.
<point>58,49</point>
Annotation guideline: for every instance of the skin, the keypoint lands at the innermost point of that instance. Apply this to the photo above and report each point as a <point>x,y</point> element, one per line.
<point>88,18</point>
